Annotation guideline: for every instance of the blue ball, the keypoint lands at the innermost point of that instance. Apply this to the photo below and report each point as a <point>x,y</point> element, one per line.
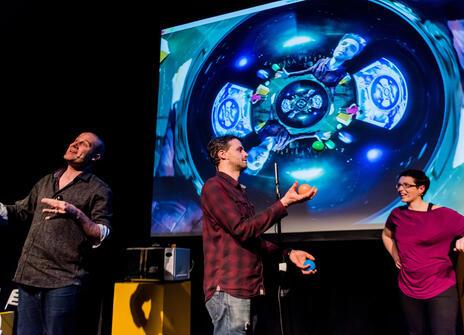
<point>311,264</point>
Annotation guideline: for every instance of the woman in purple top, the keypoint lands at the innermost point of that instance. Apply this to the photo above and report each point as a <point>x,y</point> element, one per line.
<point>420,236</point>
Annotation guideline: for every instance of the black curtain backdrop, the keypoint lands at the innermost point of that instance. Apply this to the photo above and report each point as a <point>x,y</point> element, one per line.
<point>66,67</point>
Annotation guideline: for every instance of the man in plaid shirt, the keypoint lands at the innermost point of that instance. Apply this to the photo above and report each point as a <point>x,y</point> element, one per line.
<point>232,243</point>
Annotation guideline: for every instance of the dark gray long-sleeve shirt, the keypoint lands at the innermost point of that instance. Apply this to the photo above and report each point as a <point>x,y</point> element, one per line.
<point>56,250</point>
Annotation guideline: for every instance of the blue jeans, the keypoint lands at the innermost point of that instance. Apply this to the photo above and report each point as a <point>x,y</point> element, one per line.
<point>48,311</point>
<point>230,315</point>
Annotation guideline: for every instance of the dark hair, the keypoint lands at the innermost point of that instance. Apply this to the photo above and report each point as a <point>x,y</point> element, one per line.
<point>217,144</point>
<point>419,176</point>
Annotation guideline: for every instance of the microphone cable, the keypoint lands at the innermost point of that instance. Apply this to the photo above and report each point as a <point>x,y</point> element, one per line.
<point>283,265</point>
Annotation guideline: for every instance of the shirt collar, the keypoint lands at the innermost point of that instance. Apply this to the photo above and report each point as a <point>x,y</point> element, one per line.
<point>85,176</point>
<point>229,179</point>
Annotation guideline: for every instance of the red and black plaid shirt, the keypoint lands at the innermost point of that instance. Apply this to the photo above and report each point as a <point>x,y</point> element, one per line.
<point>232,243</point>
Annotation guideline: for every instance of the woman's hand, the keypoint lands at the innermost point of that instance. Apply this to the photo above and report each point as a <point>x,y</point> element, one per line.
<point>459,246</point>
<point>396,258</point>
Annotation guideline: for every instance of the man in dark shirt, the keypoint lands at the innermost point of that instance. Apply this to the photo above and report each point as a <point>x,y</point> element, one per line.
<point>232,243</point>
<point>70,211</point>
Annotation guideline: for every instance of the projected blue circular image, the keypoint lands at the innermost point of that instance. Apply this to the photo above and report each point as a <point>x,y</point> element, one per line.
<point>302,104</point>
<point>229,114</point>
<point>385,92</point>
<point>338,101</point>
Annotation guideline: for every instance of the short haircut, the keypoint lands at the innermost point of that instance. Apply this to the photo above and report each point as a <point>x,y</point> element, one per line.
<point>217,144</point>
<point>419,176</point>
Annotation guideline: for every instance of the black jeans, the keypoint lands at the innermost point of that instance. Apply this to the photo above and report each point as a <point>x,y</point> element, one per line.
<point>434,316</point>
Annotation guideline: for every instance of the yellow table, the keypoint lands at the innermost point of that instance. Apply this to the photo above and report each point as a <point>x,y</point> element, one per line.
<point>6,323</point>
<point>151,308</point>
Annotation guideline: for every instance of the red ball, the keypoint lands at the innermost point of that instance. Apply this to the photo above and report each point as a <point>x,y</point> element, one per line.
<point>304,188</point>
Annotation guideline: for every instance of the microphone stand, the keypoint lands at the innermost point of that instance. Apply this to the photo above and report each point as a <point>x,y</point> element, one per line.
<point>282,289</point>
<point>283,265</point>
<point>277,193</point>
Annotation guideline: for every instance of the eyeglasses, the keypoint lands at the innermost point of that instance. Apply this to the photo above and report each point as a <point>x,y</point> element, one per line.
<point>405,186</point>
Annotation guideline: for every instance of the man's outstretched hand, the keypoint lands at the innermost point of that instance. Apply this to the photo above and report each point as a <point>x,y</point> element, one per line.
<point>59,207</point>
<point>293,197</point>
